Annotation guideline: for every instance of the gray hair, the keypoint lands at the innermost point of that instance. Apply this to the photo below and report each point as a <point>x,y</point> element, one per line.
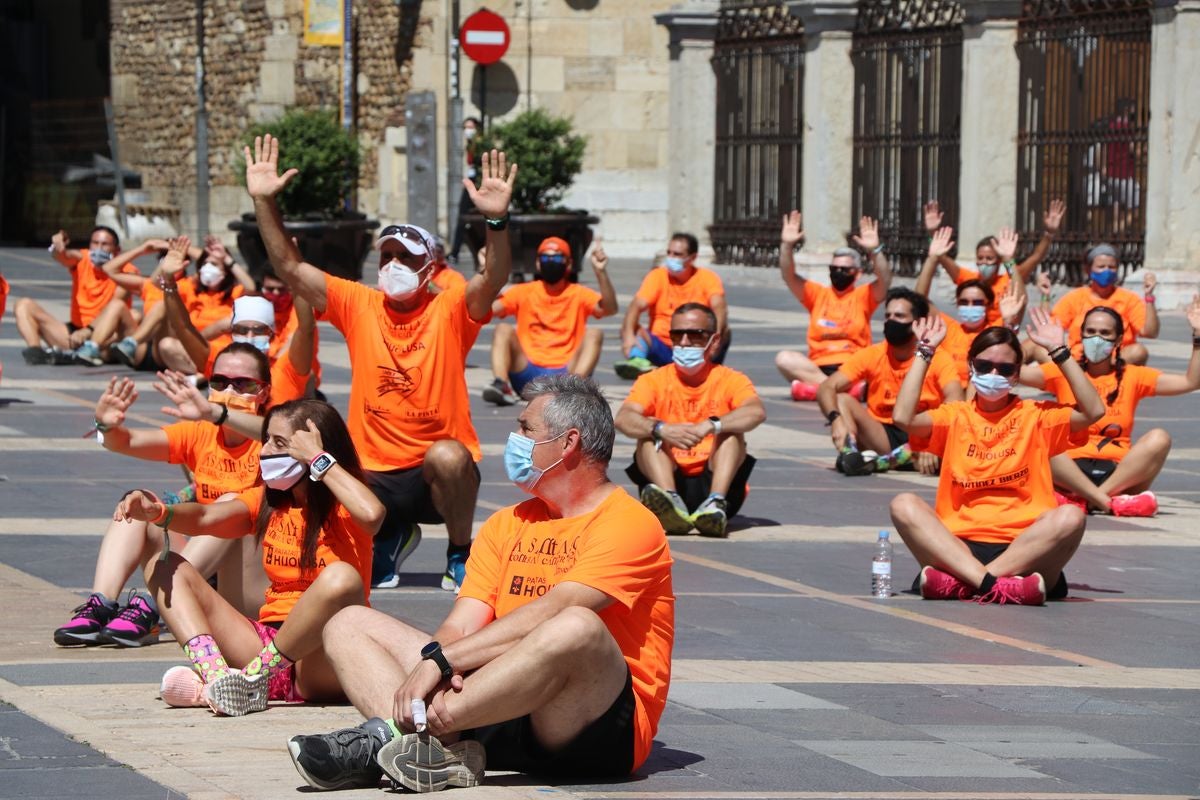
<point>576,402</point>
<point>849,252</point>
<point>1102,249</point>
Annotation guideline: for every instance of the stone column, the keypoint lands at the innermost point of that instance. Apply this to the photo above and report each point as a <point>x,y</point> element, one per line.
<point>828,123</point>
<point>692,117</point>
<point>991,85</point>
<point>1173,179</point>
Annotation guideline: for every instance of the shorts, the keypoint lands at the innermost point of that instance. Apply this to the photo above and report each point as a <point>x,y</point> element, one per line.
<point>518,379</point>
<point>406,496</point>
<point>694,489</point>
<point>282,685</point>
<point>829,369</point>
<point>1097,470</point>
<point>604,749</point>
<point>987,552</point>
<point>896,437</point>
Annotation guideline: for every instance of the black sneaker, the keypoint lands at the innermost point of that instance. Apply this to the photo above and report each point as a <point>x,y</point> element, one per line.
<point>421,763</point>
<point>36,356</point>
<point>390,552</point>
<point>134,625</point>
<point>343,759</point>
<point>500,393</point>
<point>87,623</point>
<point>62,358</point>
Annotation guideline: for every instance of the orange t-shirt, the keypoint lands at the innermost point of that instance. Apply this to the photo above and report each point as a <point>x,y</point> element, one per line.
<point>91,290</point>
<point>216,467</point>
<point>1109,437</point>
<point>152,295</point>
<point>839,324</point>
<point>341,539</point>
<point>205,307</point>
<point>995,479</point>
<point>286,383</point>
<point>408,388</point>
<point>883,373</point>
<point>1073,306</point>
<point>663,395</point>
<point>665,295</point>
<point>957,344</point>
<point>618,548</point>
<point>550,327</point>
<point>999,287</point>
<point>448,277</point>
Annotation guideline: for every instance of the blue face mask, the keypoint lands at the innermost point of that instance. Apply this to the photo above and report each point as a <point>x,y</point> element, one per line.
<point>518,460</point>
<point>688,360</point>
<point>1104,278</point>
<point>1097,349</point>
<point>99,257</point>
<point>262,341</point>
<point>988,271</point>
<point>675,265</point>
<point>992,386</point>
<point>971,315</point>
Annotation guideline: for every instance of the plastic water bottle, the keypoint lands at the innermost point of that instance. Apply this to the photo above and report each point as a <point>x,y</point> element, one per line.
<point>881,567</point>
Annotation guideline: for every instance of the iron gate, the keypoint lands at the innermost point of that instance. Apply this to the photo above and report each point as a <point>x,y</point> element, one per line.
<point>907,57</point>
<point>758,58</point>
<point>1084,123</point>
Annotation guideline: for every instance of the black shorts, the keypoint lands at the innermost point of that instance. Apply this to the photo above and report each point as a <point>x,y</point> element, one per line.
<point>604,749</point>
<point>829,369</point>
<point>694,489</point>
<point>896,437</point>
<point>987,552</point>
<point>406,496</point>
<point>1097,470</point>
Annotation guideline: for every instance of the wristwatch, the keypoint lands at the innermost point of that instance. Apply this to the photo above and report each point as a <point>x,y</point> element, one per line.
<point>716,423</point>
<point>320,465</point>
<point>433,652</point>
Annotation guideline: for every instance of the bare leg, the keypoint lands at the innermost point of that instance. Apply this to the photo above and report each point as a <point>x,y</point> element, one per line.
<point>126,546</point>
<point>795,366</point>
<point>35,323</point>
<point>584,359</point>
<point>655,464</point>
<point>449,471</point>
<point>868,431</point>
<point>174,356</point>
<point>108,321</point>
<point>1045,546</point>
<point>1141,464</point>
<point>337,586</point>
<point>727,456</point>
<point>507,355</point>
<point>1068,475</point>
<point>372,653</point>
<point>931,543</point>
<point>150,324</point>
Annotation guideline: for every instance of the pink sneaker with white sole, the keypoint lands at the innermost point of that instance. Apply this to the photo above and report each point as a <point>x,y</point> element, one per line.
<point>1144,504</point>
<point>1018,590</point>
<point>182,688</point>
<point>939,585</point>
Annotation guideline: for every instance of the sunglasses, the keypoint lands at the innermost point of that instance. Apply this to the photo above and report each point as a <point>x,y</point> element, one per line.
<point>219,383</point>
<point>250,330</point>
<point>1006,369</point>
<point>690,334</point>
<point>977,302</point>
<point>551,259</point>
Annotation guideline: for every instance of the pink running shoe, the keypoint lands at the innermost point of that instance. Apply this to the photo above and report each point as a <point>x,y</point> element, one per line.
<point>803,392</point>
<point>858,390</point>
<point>1026,590</point>
<point>182,688</point>
<point>1070,500</point>
<point>938,585</point>
<point>1134,505</point>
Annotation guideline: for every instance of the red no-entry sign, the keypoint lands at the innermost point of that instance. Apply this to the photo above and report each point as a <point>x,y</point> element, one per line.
<point>484,37</point>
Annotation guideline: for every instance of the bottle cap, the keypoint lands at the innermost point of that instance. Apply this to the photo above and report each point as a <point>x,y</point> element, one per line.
<point>883,534</point>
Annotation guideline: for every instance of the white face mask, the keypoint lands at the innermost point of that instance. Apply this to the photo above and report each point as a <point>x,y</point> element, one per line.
<point>281,472</point>
<point>211,275</point>
<point>399,282</point>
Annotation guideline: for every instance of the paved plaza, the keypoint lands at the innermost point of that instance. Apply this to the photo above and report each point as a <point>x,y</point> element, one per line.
<point>789,680</point>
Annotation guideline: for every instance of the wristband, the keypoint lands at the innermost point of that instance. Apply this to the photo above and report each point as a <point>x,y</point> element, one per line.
<point>224,415</point>
<point>925,352</point>
<point>877,250</point>
<point>1149,298</point>
<point>1195,340</point>
<point>656,431</point>
<point>1060,355</point>
<point>831,416</point>
<point>497,224</point>
<point>100,427</point>
<point>1010,263</point>
<point>716,423</point>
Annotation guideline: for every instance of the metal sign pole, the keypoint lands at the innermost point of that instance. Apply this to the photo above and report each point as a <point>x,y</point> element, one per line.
<point>118,172</point>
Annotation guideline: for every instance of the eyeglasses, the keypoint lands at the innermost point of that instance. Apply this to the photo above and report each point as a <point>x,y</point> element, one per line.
<point>552,259</point>
<point>274,290</point>
<point>1005,369</point>
<point>964,301</point>
<point>246,329</point>
<point>220,383</point>
<point>679,335</point>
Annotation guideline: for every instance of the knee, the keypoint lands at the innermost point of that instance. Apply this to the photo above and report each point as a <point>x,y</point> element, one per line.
<point>343,628</point>
<point>340,581</point>
<point>904,507</point>
<point>784,359</point>
<point>503,331</point>
<point>575,630</point>
<point>447,457</point>
<point>1069,521</point>
<point>594,336</point>
<point>1157,440</point>
<point>171,345</point>
<point>25,307</point>
<point>1135,354</point>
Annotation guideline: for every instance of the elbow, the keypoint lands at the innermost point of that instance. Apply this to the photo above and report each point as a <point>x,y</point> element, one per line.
<point>373,518</point>
<point>1094,413</point>
<point>902,420</point>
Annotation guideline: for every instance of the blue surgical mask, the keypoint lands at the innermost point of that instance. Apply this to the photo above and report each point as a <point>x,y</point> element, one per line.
<point>992,386</point>
<point>971,315</point>
<point>1097,349</point>
<point>518,460</point>
<point>688,360</point>
<point>261,341</point>
<point>988,271</point>
<point>99,257</point>
<point>1104,278</point>
<point>675,265</point>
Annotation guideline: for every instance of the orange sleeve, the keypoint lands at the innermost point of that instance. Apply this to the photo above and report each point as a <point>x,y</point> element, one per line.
<point>286,383</point>
<point>712,285</point>
<point>651,286</point>
<point>811,293</point>
<point>510,301</point>
<point>739,389</point>
<point>644,393</point>
<point>935,442</point>
<point>858,365</point>
<point>182,440</point>
<point>1054,421</point>
<point>344,303</point>
<point>252,499</point>
<point>1135,316</point>
<point>869,301</point>
<point>945,370</point>
<point>622,555</point>
<point>484,565</point>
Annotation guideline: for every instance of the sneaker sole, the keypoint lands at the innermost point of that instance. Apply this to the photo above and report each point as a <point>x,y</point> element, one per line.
<point>420,763</point>
<point>127,640</point>
<point>449,584</point>
<point>66,639</point>
<point>316,783</point>
<point>627,371</point>
<point>127,360</point>
<point>236,694</point>
<point>405,550</point>
<point>493,395</point>
<point>665,510</point>
<point>715,525</point>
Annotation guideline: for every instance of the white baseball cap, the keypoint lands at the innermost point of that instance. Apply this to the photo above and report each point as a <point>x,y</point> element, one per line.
<point>254,309</point>
<point>415,239</point>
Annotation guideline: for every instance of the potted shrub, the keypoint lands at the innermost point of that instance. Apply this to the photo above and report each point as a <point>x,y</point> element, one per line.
<point>549,156</point>
<point>315,205</point>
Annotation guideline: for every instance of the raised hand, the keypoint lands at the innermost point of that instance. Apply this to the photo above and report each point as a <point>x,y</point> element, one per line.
<point>305,443</point>
<point>59,242</point>
<point>867,237</point>
<point>1012,304</point>
<point>1052,220</point>
<point>942,242</point>
<point>930,330</point>
<point>793,231</point>
<point>933,216</point>
<point>262,168</point>
<point>495,190</point>
<point>1005,244</point>
<point>176,258</point>
<point>116,400</point>
<point>1149,283</point>
<point>216,248</point>
<point>1042,281</point>
<point>138,506</point>
<point>1045,330</point>
<point>599,257</point>
<point>1193,314</point>
<point>190,402</point>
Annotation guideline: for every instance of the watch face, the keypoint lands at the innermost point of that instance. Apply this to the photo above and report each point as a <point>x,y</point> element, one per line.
<point>429,649</point>
<point>322,463</point>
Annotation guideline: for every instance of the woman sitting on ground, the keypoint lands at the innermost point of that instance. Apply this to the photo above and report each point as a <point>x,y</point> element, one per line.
<point>316,519</point>
<point>996,532</point>
<point>1112,473</point>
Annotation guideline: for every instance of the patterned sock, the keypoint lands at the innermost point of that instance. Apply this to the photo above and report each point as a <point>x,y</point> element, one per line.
<point>204,653</point>
<point>270,660</point>
<point>396,732</point>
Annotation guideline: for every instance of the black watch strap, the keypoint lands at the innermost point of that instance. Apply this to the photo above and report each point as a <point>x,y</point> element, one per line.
<point>433,652</point>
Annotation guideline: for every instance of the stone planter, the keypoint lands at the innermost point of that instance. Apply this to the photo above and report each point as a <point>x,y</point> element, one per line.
<point>338,246</point>
<point>526,232</point>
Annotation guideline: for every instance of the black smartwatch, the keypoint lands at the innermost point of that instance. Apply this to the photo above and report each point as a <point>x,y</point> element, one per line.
<point>433,652</point>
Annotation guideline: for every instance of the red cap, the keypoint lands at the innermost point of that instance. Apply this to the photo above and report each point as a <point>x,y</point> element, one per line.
<point>556,243</point>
